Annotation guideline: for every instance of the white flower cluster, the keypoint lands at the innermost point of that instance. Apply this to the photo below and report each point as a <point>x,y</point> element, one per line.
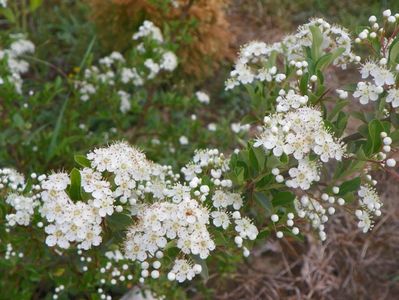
<point>3,3</point>
<point>254,56</point>
<point>115,70</point>
<point>184,222</point>
<point>250,67</point>
<point>148,29</point>
<point>12,179</point>
<point>164,210</point>
<point>80,221</point>
<point>16,65</point>
<point>24,209</point>
<point>300,133</point>
<point>318,212</point>
<point>381,77</point>
<point>184,270</point>
<point>72,221</point>
<point>287,101</point>
<point>238,127</point>
<point>180,217</point>
<point>381,74</point>
<point>334,37</point>
<point>370,205</point>
<point>10,252</point>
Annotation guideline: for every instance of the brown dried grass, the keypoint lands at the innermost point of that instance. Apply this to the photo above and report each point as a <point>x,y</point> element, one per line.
<point>349,265</point>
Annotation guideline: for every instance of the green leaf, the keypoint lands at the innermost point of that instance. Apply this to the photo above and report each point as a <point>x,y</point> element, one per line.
<point>249,119</point>
<point>349,186</point>
<point>56,132</point>
<point>394,51</point>
<point>303,85</point>
<point>317,40</point>
<point>28,186</point>
<point>264,202</point>
<point>204,272</point>
<point>337,108</point>
<point>118,221</point>
<point>35,4</point>
<point>8,14</point>
<point>283,199</point>
<point>18,121</point>
<point>374,141</point>
<point>264,181</point>
<point>82,160</point>
<point>327,59</point>
<point>75,187</point>
<point>253,161</point>
<point>263,234</point>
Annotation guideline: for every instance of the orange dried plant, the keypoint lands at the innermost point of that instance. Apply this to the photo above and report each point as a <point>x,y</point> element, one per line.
<point>198,27</point>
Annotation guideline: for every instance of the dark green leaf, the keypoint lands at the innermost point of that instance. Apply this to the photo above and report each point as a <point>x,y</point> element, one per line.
<point>349,186</point>
<point>283,199</point>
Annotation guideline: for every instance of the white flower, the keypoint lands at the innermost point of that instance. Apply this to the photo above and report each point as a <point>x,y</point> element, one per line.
<point>290,100</point>
<point>212,127</point>
<point>303,176</point>
<point>125,105</point>
<point>365,222</point>
<point>220,219</point>
<point>183,140</point>
<point>149,29</point>
<point>57,182</point>
<point>367,68</point>
<point>182,271</point>
<point>366,91</point>
<point>393,97</point>
<point>246,229</point>
<point>382,76</point>
<point>153,67</point>
<point>369,198</point>
<point>202,97</point>
<point>168,61</point>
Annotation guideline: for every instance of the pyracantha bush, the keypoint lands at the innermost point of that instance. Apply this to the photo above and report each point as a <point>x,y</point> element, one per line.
<point>119,217</point>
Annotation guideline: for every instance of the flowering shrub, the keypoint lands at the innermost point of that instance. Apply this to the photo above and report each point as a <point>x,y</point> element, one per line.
<point>119,219</point>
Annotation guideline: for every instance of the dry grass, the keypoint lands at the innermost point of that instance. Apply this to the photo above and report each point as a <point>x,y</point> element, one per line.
<point>349,265</point>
